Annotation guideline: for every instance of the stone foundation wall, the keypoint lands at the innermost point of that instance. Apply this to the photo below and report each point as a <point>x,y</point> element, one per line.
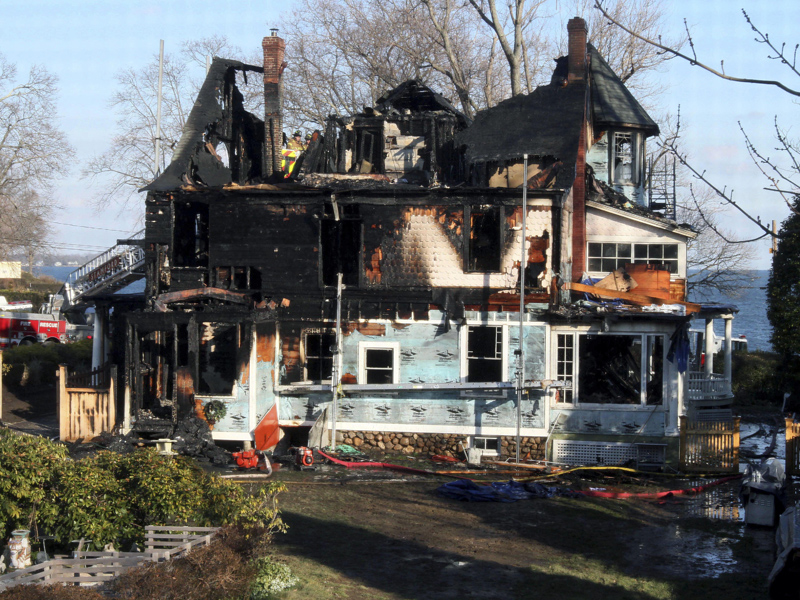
<point>434,443</point>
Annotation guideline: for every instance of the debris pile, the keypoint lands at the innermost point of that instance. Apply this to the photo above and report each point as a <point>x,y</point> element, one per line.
<point>193,438</point>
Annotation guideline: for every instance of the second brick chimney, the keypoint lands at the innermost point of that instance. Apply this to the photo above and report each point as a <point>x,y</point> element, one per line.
<point>576,29</point>
<point>274,52</point>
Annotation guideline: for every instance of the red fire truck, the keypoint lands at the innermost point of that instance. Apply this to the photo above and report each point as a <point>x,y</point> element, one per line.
<point>29,328</point>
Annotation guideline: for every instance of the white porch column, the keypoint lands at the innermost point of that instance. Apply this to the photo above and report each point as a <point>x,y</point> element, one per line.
<point>709,350</point>
<point>99,343</point>
<point>728,346</point>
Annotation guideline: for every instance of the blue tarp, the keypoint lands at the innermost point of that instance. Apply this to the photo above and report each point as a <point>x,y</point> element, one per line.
<point>500,491</point>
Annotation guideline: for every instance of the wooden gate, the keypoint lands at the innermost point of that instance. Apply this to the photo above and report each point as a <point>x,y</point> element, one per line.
<point>709,446</point>
<point>86,403</point>
<point>792,447</point>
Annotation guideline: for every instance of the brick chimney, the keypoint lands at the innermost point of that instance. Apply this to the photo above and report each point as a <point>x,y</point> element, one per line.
<point>576,29</point>
<point>274,51</point>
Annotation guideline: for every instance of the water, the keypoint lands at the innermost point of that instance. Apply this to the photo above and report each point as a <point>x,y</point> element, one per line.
<point>751,321</point>
<point>58,273</point>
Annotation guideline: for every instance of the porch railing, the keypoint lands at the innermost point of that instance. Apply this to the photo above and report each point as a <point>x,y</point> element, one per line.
<point>708,386</point>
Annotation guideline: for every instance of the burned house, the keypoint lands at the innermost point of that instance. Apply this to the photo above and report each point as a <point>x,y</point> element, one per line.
<point>377,293</point>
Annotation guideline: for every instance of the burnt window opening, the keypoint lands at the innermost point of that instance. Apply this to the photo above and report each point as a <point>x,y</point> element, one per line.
<point>319,351</point>
<point>610,369</point>
<point>485,239</point>
<point>156,371</point>
<point>190,235</point>
<point>340,246</point>
<point>627,157</point>
<point>484,354</point>
<point>219,344</point>
<point>237,278</point>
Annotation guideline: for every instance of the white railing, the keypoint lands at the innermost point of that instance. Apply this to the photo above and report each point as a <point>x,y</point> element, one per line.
<point>707,386</point>
<point>112,266</point>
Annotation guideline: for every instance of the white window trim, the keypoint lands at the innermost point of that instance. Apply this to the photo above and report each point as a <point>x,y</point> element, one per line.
<point>463,342</point>
<point>681,274</point>
<point>362,358</point>
<point>485,451</point>
<point>576,401</point>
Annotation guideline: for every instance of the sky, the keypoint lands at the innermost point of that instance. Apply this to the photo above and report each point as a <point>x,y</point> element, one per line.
<point>86,42</point>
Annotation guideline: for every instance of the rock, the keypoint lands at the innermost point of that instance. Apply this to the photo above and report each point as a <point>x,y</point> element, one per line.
<point>381,445</point>
<point>404,441</point>
<point>357,442</point>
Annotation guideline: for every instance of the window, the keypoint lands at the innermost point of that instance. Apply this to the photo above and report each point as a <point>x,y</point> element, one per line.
<point>626,158</point>
<point>489,446</point>
<point>606,257</point>
<point>219,344</point>
<point>340,245</point>
<point>318,353</point>
<point>485,239</point>
<point>565,365</point>
<point>190,235</point>
<point>485,354</point>
<point>611,368</point>
<point>379,362</point>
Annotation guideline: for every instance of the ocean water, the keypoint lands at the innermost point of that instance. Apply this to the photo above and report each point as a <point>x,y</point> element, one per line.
<point>751,320</point>
<point>58,273</point>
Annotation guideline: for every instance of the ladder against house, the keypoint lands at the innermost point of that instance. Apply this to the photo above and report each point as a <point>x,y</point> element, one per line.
<point>661,187</point>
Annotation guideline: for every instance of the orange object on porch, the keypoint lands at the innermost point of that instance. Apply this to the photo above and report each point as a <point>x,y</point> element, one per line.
<point>267,432</point>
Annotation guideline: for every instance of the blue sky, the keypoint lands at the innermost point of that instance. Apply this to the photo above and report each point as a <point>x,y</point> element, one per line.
<point>85,43</point>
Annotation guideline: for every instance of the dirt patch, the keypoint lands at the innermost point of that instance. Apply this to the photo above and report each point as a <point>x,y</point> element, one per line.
<point>390,539</point>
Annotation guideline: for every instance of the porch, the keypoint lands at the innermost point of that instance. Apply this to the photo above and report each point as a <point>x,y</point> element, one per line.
<point>706,388</point>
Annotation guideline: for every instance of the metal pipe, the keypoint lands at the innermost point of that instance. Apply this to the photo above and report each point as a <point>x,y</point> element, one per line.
<point>158,108</point>
<point>523,261</point>
<point>337,359</point>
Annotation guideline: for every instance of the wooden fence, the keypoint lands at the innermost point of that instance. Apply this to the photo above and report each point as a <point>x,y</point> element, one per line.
<point>93,568</point>
<point>709,446</point>
<point>792,447</point>
<point>86,412</point>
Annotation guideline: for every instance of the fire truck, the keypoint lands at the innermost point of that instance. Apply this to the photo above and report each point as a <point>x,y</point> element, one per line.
<point>17,328</point>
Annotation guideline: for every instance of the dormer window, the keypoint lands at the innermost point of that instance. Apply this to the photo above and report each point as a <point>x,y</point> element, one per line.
<point>627,158</point>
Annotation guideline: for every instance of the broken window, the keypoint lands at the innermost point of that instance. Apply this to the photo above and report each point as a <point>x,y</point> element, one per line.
<point>237,278</point>
<point>340,245</point>
<point>219,344</point>
<point>319,350</point>
<point>625,158</point>
<point>606,257</point>
<point>565,365</point>
<point>379,362</point>
<point>485,239</point>
<point>190,235</point>
<point>485,353</point>
<point>610,369</point>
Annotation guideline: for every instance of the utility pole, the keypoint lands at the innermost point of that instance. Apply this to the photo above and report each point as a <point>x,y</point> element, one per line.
<point>522,262</point>
<point>158,108</point>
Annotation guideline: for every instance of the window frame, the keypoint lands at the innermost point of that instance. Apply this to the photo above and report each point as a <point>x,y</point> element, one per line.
<point>644,376</point>
<point>364,347</point>
<point>637,154</point>
<point>678,261</point>
<point>473,443</point>
<point>304,353</point>
<point>465,358</point>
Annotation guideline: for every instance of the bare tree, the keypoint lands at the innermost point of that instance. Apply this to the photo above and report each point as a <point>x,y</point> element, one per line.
<point>34,152</point>
<point>129,162</point>
<point>784,177</point>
